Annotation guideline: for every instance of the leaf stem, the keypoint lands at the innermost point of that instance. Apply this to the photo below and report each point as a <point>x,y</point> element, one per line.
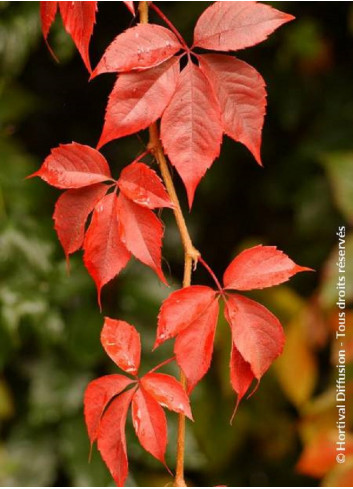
<point>142,155</point>
<point>170,25</point>
<point>191,254</point>
<point>162,364</point>
<point>211,272</point>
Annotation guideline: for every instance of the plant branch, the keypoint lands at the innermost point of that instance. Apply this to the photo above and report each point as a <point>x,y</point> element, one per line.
<point>192,255</point>
<point>190,252</point>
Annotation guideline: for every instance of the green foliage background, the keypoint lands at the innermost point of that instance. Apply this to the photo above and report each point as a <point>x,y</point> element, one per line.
<point>49,321</point>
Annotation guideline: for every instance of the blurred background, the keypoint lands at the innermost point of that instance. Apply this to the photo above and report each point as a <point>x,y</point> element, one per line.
<point>50,324</point>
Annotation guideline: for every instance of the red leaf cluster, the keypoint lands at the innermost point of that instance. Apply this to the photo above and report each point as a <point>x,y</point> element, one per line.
<point>220,94</point>
<point>107,401</point>
<point>122,224</point>
<point>212,95</point>
<point>78,19</point>
<point>190,315</point>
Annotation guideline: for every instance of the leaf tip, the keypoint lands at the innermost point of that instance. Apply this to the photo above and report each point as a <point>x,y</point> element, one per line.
<point>35,174</point>
<point>157,343</point>
<point>94,73</point>
<point>299,269</point>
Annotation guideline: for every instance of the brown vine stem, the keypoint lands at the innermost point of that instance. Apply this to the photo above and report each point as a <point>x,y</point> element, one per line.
<point>191,254</point>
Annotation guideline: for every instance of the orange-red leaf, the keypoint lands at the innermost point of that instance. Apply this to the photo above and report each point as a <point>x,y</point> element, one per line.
<point>131,7</point>
<point>138,48</point>
<point>241,376</point>
<point>47,15</point>
<point>168,392</point>
<point>141,232</point>
<point>241,94</point>
<point>150,424</point>
<point>74,166</point>
<point>79,19</point>
<point>141,184</point>
<point>191,130</point>
<point>138,99</point>
<point>228,26</point>
<point>105,255</point>
<point>122,343</point>
<point>257,333</point>
<point>319,455</point>
<point>98,394</point>
<point>181,309</point>
<point>259,267</point>
<point>71,212</point>
<point>111,437</point>
<point>194,345</point>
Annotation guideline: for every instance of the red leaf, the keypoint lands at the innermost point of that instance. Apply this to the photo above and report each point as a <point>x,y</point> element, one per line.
<point>140,183</point>
<point>228,26</point>
<point>150,424</point>
<point>141,232</point>
<point>138,48</point>
<point>138,99</point>
<point>47,16</point>
<point>259,267</point>
<point>122,343</point>
<point>241,94</point>
<point>111,437</point>
<point>97,396</point>
<point>74,166</point>
<point>194,345</point>
<point>182,308</point>
<point>241,376</point>
<point>105,255</point>
<point>79,19</point>
<point>191,130</point>
<point>319,454</point>
<point>168,392</point>
<point>71,212</point>
<point>257,333</point>
<point>131,7</point>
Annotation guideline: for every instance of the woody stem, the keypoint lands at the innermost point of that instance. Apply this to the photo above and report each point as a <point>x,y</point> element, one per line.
<point>191,254</point>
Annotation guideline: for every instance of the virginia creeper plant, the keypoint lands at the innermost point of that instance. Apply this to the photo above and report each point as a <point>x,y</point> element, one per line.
<point>187,97</point>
